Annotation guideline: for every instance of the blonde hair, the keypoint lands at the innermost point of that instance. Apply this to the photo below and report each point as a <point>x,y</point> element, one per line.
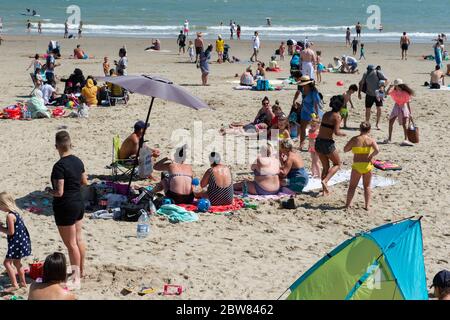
<point>7,202</point>
<point>287,144</point>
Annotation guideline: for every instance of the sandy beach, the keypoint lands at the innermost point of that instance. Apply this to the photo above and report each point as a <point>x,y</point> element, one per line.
<point>253,254</point>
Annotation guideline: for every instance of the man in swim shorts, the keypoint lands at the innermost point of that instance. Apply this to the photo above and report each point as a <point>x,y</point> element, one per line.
<point>78,53</point>
<point>404,44</point>
<point>369,84</point>
<point>309,60</point>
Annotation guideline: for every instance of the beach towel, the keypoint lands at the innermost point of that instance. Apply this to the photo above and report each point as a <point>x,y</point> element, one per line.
<point>242,88</point>
<point>236,205</point>
<point>177,214</point>
<point>272,82</point>
<point>283,193</point>
<point>444,88</point>
<point>153,50</point>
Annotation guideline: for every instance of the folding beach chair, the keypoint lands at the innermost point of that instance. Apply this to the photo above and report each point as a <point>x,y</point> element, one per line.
<point>120,168</point>
<point>113,98</point>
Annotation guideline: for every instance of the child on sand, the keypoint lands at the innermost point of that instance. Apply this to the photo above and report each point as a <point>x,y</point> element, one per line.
<point>282,50</point>
<point>320,67</point>
<point>312,135</point>
<point>19,244</point>
<point>348,99</point>
<point>191,51</point>
<point>362,52</point>
<point>105,66</point>
<point>36,64</point>
<point>283,127</point>
<point>380,95</point>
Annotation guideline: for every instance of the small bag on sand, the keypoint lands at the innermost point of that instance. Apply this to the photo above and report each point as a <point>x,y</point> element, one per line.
<point>412,132</point>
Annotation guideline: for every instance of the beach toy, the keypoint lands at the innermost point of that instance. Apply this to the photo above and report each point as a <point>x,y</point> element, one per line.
<point>340,83</point>
<point>203,205</point>
<point>145,291</point>
<point>58,112</point>
<point>36,269</point>
<point>250,205</point>
<point>196,182</point>
<point>172,290</point>
<point>167,201</point>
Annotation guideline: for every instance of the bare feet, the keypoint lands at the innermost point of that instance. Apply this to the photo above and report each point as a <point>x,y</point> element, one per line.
<point>11,289</point>
<point>325,189</point>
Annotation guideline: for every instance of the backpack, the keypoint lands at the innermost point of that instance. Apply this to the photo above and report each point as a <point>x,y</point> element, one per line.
<point>262,85</point>
<point>364,85</point>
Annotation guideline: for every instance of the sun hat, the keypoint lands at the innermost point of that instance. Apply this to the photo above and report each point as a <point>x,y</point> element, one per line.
<point>398,82</point>
<point>304,80</point>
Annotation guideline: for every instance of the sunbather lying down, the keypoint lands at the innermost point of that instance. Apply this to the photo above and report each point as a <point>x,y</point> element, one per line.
<point>249,129</point>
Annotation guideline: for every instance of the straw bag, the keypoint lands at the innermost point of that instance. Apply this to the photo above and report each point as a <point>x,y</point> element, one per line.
<point>412,132</point>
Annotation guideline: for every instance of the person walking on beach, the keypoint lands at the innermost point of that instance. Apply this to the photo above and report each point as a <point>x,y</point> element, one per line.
<point>198,42</point>
<point>358,28</point>
<point>369,84</point>
<point>325,145</point>
<point>40,27</point>
<point>181,41</point>
<point>256,46</point>
<point>348,35</point>
<point>362,52</point>
<point>404,44</point>
<point>309,61</point>
<point>365,150</point>
<point>355,46</point>
<point>238,32</point>
<point>122,64</point>
<point>205,56</point>
<point>220,47</point>
<point>80,29</point>
<point>68,175</point>
<point>186,28</point>
<point>28,26</point>
<point>66,29</point>
<point>232,29</point>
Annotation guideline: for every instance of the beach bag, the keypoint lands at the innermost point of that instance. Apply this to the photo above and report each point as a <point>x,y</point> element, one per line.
<point>412,132</point>
<point>262,85</point>
<point>58,112</point>
<point>131,212</point>
<point>13,112</point>
<point>36,270</point>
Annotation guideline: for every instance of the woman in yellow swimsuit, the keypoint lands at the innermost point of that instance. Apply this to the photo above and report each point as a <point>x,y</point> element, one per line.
<point>364,149</point>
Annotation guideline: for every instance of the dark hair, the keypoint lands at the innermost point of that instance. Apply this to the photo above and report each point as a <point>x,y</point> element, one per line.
<point>404,33</point>
<point>265,99</point>
<point>55,268</point>
<point>406,88</point>
<point>296,74</point>
<point>123,51</point>
<point>111,72</point>
<point>364,127</point>
<point>336,103</point>
<point>438,67</point>
<point>36,56</point>
<point>78,46</point>
<point>353,87</point>
<point>62,140</point>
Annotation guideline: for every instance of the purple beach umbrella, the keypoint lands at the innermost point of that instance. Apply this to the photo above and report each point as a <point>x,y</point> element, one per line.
<point>154,87</point>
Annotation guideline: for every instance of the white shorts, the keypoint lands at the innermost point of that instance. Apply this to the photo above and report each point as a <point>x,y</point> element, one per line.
<point>308,69</point>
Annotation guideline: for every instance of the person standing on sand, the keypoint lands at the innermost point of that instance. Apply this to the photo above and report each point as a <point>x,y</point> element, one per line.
<point>369,84</point>
<point>67,177</point>
<point>205,56</point>
<point>355,46</point>
<point>238,32</point>
<point>40,27</point>
<point>348,35</point>
<point>28,26</point>
<point>80,29</point>
<point>198,42</point>
<point>358,28</point>
<point>309,61</point>
<point>181,41</point>
<point>256,46</point>
<point>325,145</point>
<point>66,30</point>
<point>186,28</point>
<point>364,149</point>
<point>404,44</point>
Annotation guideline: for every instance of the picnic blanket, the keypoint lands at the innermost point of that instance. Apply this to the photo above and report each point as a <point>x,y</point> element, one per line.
<point>177,214</point>
<point>271,81</point>
<point>283,193</point>
<point>236,205</point>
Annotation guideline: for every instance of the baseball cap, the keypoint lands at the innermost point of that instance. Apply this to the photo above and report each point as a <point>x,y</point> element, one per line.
<point>140,125</point>
<point>381,83</point>
<point>370,67</point>
<point>441,279</point>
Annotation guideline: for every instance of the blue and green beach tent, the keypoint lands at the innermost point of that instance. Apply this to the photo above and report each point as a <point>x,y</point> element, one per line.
<point>385,263</point>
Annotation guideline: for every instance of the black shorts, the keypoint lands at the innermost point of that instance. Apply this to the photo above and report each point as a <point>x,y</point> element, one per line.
<point>68,214</point>
<point>435,86</point>
<point>405,46</point>
<point>370,100</point>
<point>325,146</point>
<point>180,198</point>
<point>182,44</point>
<point>198,50</point>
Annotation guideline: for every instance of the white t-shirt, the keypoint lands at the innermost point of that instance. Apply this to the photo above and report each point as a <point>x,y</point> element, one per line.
<point>47,91</point>
<point>256,42</point>
<point>186,26</point>
<point>350,60</point>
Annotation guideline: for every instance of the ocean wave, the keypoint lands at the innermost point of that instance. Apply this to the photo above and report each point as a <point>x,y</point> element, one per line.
<point>284,28</point>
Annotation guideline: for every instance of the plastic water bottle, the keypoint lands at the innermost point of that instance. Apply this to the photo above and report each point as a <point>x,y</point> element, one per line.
<point>196,184</point>
<point>143,226</point>
<point>152,208</point>
<point>244,190</point>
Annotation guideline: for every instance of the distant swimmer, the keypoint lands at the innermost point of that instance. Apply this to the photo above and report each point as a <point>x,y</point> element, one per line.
<point>269,22</point>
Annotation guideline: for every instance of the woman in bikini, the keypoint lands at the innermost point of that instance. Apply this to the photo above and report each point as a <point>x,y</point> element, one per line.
<point>325,146</point>
<point>364,149</point>
<point>292,167</point>
<point>219,181</point>
<point>266,170</point>
<point>176,178</point>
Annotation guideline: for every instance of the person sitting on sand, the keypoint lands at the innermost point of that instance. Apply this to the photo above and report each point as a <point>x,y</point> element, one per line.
<point>19,243</point>
<point>273,65</point>
<point>36,105</point>
<point>89,92</point>
<point>441,285</point>
<point>260,71</point>
<point>365,150</point>
<point>130,146</point>
<point>292,172</point>
<point>325,145</point>
<point>116,90</point>
<point>247,77</point>
<point>261,122</point>
<point>176,178</point>
<point>349,64</point>
<point>266,169</point>
<point>48,93</point>
<point>156,45</point>
<point>78,53</point>
<point>219,181</point>
<point>437,78</point>
<point>75,82</point>
<point>54,277</point>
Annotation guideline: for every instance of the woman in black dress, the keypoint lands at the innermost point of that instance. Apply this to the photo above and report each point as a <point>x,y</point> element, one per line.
<point>67,177</point>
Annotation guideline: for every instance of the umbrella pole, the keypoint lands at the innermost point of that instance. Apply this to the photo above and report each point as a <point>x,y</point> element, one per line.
<point>141,143</point>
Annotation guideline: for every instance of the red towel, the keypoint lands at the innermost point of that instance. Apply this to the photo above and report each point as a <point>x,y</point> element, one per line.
<point>237,204</point>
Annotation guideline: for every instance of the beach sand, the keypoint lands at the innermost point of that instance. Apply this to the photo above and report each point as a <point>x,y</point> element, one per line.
<point>254,254</point>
